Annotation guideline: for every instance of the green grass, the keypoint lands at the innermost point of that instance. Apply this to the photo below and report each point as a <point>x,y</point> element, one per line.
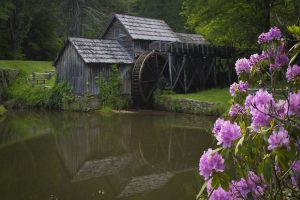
<point>21,90</point>
<point>27,66</point>
<point>212,95</point>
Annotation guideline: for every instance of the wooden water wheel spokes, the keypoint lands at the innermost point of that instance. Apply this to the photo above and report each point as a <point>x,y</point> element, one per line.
<point>147,73</point>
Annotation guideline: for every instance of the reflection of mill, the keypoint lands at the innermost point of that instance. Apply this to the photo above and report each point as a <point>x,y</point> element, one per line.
<point>132,161</point>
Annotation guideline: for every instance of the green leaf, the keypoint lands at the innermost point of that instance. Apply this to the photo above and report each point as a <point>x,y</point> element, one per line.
<point>202,190</point>
<point>240,142</point>
<point>215,181</point>
<point>216,150</point>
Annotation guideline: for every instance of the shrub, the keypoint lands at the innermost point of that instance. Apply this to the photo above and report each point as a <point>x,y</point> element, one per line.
<point>60,96</point>
<point>109,93</point>
<point>261,135</point>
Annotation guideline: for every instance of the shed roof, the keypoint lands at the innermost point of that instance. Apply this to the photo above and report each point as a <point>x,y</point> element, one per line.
<point>99,51</point>
<point>140,28</point>
<point>191,38</point>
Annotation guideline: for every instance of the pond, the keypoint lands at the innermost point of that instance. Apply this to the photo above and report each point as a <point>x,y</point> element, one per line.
<point>65,155</point>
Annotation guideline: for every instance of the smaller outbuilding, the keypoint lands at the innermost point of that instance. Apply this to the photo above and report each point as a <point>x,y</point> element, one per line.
<point>81,60</point>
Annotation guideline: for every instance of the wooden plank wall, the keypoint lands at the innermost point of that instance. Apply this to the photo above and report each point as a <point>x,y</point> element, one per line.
<point>117,32</point>
<point>141,46</point>
<point>96,69</point>
<point>72,69</point>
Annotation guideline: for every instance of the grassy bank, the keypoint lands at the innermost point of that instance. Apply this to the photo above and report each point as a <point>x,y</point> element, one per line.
<point>27,66</point>
<point>210,102</point>
<point>22,93</point>
<point>213,95</point>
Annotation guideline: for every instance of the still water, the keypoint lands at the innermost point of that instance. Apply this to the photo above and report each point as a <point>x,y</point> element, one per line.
<point>83,156</point>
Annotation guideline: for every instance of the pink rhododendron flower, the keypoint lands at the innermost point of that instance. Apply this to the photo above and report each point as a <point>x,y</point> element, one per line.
<point>243,65</point>
<point>292,72</point>
<point>273,34</point>
<point>294,104</point>
<point>279,139</point>
<point>238,87</point>
<point>226,132</point>
<point>210,162</point>
<point>259,105</point>
<point>220,194</point>
<point>236,110</point>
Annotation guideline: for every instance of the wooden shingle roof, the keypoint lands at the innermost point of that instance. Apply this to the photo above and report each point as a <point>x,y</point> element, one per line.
<point>140,28</point>
<point>191,38</point>
<point>99,51</point>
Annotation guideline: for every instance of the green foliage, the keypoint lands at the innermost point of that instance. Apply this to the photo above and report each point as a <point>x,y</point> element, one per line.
<point>295,50</point>
<point>109,92</point>
<point>166,10</point>
<point>2,110</point>
<point>238,22</point>
<point>24,94</point>
<point>106,110</point>
<point>60,96</point>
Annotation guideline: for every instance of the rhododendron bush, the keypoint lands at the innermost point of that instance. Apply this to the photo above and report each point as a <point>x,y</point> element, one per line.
<point>259,143</point>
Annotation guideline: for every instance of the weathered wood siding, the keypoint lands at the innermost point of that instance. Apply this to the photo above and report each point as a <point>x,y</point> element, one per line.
<point>125,73</point>
<point>117,32</point>
<point>141,46</point>
<point>72,69</point>
<point>95,70</point>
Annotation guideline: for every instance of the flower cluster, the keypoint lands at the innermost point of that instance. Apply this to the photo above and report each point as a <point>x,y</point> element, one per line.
<point>294,104</point>
<point>210,162</point>
<point>260,105</point>
<point>243,65</point>
<point>292,72</point>
<point>279,139</point>
<point>273,34</point>
<point>226,132</point>
<point>236,110</point>
<point>238,88</point>
<point>220,194</point>
<point>253,184</point>
<point>280,58</point>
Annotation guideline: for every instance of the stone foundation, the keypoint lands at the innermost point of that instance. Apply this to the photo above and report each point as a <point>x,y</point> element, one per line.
<point>185,105</point>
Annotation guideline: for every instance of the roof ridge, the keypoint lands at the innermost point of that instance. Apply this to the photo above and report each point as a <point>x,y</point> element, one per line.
<point>140,17</point>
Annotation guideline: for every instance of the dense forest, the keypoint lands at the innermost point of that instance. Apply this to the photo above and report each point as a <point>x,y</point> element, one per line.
<point>36,29</point>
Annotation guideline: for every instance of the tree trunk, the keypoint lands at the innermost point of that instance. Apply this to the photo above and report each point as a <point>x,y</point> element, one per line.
<point>267,14</point>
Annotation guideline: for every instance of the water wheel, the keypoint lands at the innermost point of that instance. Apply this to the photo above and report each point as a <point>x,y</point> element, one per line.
<point>149,72</point>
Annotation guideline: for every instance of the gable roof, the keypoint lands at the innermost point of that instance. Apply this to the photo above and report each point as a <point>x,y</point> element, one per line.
<point>98,51</point>
<point>140,28</point>
<point>191,38</point>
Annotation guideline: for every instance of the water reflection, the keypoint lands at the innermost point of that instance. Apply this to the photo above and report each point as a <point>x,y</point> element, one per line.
<point>148,155</point>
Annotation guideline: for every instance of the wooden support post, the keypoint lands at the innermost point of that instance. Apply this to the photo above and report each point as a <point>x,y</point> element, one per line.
<point>215,71</point>
<point>180,71</point>
<point>170,57</point>
<point>185,77</point>
<point>229,70</point>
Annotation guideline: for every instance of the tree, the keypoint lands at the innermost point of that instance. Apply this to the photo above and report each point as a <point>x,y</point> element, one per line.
<point>162,9</point>
<point>238,22</point>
